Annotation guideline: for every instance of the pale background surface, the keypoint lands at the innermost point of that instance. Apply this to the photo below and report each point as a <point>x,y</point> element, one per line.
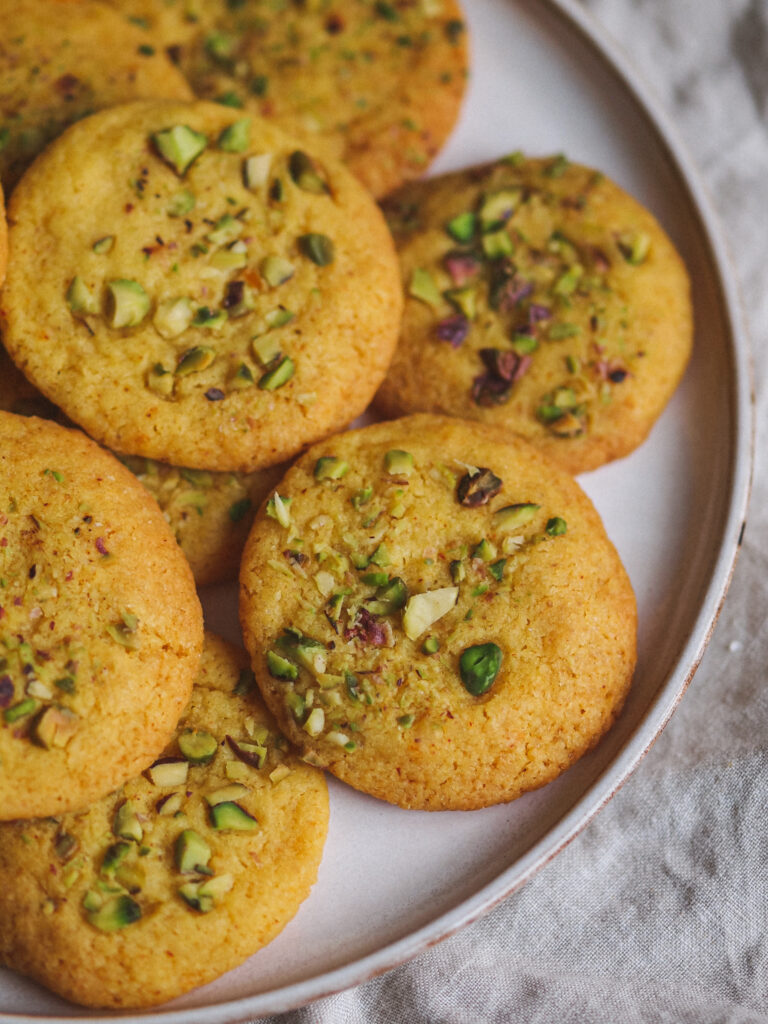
<point>658,911</point>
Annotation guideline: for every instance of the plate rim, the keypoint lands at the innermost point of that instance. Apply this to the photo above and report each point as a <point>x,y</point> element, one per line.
<point>659,711</point>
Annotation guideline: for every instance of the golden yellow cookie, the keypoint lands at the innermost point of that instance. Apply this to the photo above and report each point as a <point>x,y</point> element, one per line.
<point>62,59</point>
<point>180,875</point>
<point>188,285</point>
<point>435,614</point>
<point>210,513</point>
<point>100,625</point>
<point>376,84</point>
<point>541,298</point>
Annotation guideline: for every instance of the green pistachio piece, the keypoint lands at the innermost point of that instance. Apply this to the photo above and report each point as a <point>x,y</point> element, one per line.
<point>568,282</point>
<point>194,359</point>
<point>556,526</point>
<point>55,727</point>
<point>329,467</point>
<point>304,172</point>
<point>524,344</point>
<point>181,203</point>
<point>198,746</point>
<point>279,667</point>
<point>634,247</point>
<point>497,244</point>
<point>81,299</point>
<point>431,645</point>
<point>256,170</point>
<point>168,771</point>
<point>398,463</point>
<point>390,597</point>
<point>276,271</point>
<point>280,375</point>
<point>114,857</point>
<point>497,207</point>
<point>127,303</point>
<point>497,569</point>
<point>20,710</point>
<point>202,896</point>
<point>462,227</point>
<point>267,348</point>
<point>231,816</point>
<point>116,913</point>
<point>126,824</point>
<point>236,136</point>
<point>557,166</point>
<point>280,509</point>
<point>422,610</point>
<point>180,146</point>
<point>484,550</point>
<point>318,248</point>
<point>464,300</point>
<point>278,317</point>
<point>191,852</point>
<point>238,510</point>
<point>478,666</point>
<point>229,259</point>
<point>173,316</point>
<point>458,570</point>
<point>512,516</point>
<point>103,245</point>
<point>225,230</point>
<point>422,286</point>
<point>380,556</point>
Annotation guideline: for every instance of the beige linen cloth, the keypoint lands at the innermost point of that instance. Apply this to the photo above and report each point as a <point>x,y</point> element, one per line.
<point>658,911</point>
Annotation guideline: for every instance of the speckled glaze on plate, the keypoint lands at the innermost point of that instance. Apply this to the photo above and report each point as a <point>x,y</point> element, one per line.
<point>394,882</point>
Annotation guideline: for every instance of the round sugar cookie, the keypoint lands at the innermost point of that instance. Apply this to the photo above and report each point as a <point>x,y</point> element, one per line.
<point>435,614</point>
<point>202,292</point>
<point>181,874</point>
<point>210,513</point>
<point>541,298</point>
<point>100,625</point>
<point>377,85</point>
<point>63,59</point>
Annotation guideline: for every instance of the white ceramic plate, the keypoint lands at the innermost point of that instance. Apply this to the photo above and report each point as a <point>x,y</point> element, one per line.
<point>393,882</point>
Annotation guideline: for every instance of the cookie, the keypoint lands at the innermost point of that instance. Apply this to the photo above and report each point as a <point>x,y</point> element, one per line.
<point>3,239</point>
<point>375,84</point>
<point>64,59</point>
<point>202,292</point>
<point>210,513</point>
<point>435,614</point>
<point>180,875</point>
<point>541,298</point>
<point>100,625</point>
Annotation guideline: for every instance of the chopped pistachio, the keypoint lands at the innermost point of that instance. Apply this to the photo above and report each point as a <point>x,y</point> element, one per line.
<point>510,517</point>
<point>278,317</point>
<point>497,569</point>
<point>127,303</point>
<point>398,463</point>
<point>303,171</point>
<point>276,270</point>
<point>315,722</point>
<point>330,467</point>
<point>228,259</point>
<point>524,344</point>
<point>380,556</point>
<point>267,348</point>
<point>485,550</point>
<point>277,377</point>
<point>497,207</point>
<point>256,170</point>
<point>114,914</point>
<point>422,286</point>
<point>231,816</point>
<point>103,245</point>
<point>431,645</point>
<point>236,136</point>
<point>20,710</point>
<point>191,852</point>
<point>497,244</point>
<point>462,227</point>
<point>478,487</point>
<point>390,596</point>
<point>226,229</point>
<point>81,299</point>
<point>556,526</point>
<point>279,508</point>
<point>168,771</point>
<point>55,727</point>
<point>362,497</point>
<point>318,248</point>
<point>194,359</point>
<point>458,570</point>
<point>634,247</point>
<point>180,146</point>
<point>406,721</point>
<point>181,203</point>
<point>198,746</point>
<point>126,824</point>
<point>173,316</point>
<point>280,667</point>
<point>568,282</point>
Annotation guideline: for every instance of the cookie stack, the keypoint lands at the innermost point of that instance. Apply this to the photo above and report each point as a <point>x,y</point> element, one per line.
<point>201,281</point>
